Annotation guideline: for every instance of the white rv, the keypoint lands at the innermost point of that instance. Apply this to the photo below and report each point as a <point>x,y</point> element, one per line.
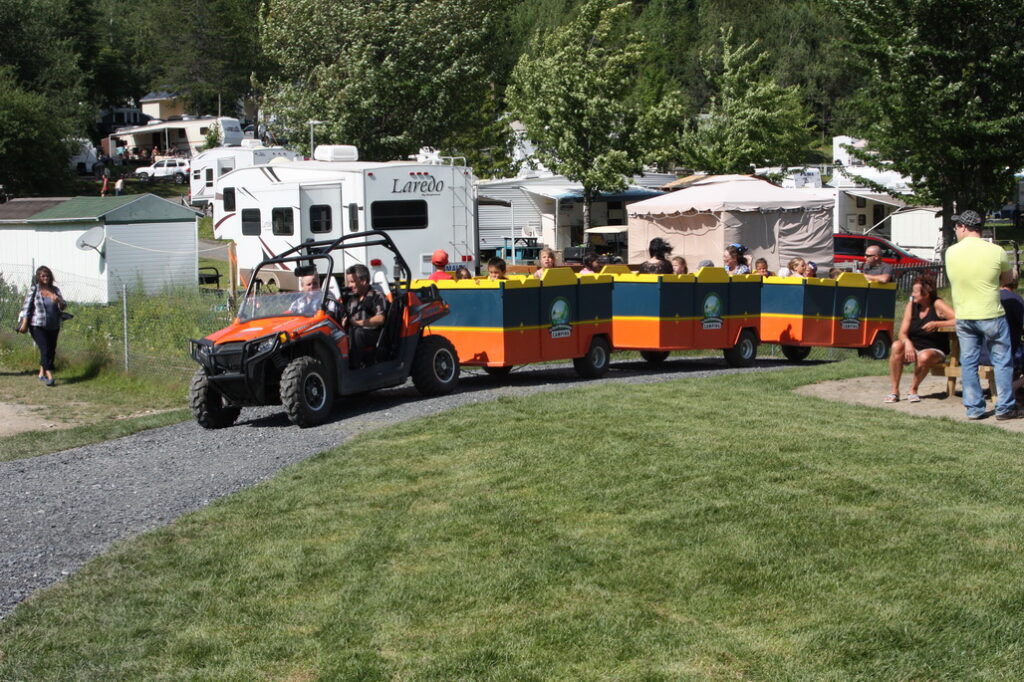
<point>208,166</point>
<point>423,204</point>
<point>187,134</point>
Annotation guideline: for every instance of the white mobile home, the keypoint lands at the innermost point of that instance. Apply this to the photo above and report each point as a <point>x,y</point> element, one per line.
<point>208,166</point>
<point>187,135</point>
<point>95,245</point>
<point>423,205</point>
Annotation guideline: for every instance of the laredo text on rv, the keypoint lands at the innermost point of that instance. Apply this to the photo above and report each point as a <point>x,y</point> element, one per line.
<point>423,204</point>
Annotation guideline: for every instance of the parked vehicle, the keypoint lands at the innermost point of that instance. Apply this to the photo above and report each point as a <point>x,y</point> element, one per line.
<point>271,355</point>
<point>849,249</point>
<point>165,169</point>
<point>424,204</point>
<point>208,166</point>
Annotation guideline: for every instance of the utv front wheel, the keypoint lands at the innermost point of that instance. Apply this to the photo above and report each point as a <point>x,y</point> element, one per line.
<point>435,369</point>
<point>307,392</point>
<point>208,405</point>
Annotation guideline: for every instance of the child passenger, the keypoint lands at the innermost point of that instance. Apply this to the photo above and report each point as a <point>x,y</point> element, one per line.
<point>679,266</point>
<point>496,268</point>
<point>547,260</point>
<point>761,268</point>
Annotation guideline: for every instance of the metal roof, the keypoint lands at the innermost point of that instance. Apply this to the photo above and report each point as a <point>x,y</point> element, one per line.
<point>85,208</point>
<point>130,208</point>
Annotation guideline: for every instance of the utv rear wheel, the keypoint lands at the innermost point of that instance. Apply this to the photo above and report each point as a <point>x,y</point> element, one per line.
<point>435,368</point>
<point>594,364</point>
<point>307,392</point>
<point>208,405</point>
<point>744,352</point>
<point>796,353</point>
<point>654,357</point>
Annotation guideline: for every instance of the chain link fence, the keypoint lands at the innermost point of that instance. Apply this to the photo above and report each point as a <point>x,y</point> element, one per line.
<point>136,331</point>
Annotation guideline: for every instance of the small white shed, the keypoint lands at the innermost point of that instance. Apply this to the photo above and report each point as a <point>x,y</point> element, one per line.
<point>917,229</point>
<point>140,240</point>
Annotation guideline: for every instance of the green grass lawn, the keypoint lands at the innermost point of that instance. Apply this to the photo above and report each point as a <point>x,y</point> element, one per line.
<point>718,528</point>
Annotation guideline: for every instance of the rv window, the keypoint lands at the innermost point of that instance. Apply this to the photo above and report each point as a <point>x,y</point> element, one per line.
<point>399,215</point>
<point>204,130</point>
<point>353,217</point>
<point>250,221</point>
<point>282,220</point>
<point>229,198</point>
<point>320,218</point>
<point>209,177</point>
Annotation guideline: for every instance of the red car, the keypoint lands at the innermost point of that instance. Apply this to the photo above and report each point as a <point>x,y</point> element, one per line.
<point>849,248</point>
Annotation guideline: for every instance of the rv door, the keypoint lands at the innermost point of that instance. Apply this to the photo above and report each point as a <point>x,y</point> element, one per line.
<point>321,212</point>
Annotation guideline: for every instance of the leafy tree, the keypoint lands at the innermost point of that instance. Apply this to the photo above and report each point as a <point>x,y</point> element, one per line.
<point>213,137</point>
<point>33,148</point>
<point>751,120</point>
<point>946,100</point>
<point>388,76</point>
<point>571,91</point>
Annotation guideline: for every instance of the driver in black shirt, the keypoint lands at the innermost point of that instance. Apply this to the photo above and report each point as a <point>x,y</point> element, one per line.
<point>364,310</point>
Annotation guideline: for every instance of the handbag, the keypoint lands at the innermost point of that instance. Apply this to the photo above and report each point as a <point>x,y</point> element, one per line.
<point>66,316</point>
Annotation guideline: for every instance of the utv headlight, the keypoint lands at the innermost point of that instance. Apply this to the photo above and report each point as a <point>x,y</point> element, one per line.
<point>265,345</point>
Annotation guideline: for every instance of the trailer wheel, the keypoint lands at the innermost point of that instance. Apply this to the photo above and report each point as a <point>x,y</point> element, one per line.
<point>796,353</point>
<point>503,371</point>
<point>208,406</point>
<point>744,352</point>
<point>594,364</point>
<point>435,367</point>
<point>307,391</point>
<point>654,357</point>
<point>879,348</point>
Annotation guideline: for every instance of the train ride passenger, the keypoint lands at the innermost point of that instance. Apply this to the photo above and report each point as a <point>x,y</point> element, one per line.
<point>590,264</point>
<point>439,260</point>
<point>734,260</point>
<point>833,273</point>
<point>659,250</point>
<point>679,266</point>
<point>761,268</point>
<point>463,273</point>
<point>919,343</point>
<point>496,268</point>
<point>797,267</point>
<point>875,269</point>
<point>811,270</point>
<point>547,260</point>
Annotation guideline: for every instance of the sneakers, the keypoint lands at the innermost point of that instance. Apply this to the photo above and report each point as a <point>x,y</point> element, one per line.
<point>1015,413</point>
<point>50,382</point>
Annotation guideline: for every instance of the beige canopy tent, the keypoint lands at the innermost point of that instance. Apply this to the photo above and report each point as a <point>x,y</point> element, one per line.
<point>699,221</point>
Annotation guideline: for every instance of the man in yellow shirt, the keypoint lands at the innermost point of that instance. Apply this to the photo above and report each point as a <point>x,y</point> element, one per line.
<point>976,268</point>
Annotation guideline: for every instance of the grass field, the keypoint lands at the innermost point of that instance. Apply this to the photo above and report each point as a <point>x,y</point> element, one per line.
<point>718,528</point>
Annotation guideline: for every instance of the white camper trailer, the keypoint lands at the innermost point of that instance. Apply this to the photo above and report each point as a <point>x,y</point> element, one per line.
<point>424,205</point>
<point>187,134</point>
<point>213,163</point>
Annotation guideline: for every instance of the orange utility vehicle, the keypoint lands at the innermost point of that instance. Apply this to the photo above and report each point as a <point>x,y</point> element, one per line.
<point>292,349</point>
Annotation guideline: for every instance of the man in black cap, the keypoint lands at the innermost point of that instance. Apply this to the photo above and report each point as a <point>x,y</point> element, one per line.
<point>976,268</point>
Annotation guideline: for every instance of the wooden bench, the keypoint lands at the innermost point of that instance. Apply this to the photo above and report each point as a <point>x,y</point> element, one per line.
<point>952,370</point>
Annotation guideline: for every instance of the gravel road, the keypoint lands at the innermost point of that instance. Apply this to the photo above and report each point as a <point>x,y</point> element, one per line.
<point>60,510</point>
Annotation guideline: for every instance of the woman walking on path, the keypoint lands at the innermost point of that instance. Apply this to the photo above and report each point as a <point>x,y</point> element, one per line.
<point>41,315</point>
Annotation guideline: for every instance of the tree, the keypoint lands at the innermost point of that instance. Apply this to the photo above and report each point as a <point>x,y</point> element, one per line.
<point>945,104</point>
<point>751,120</point>
<point>388,76</point>
<point>213,137</point>
<point>571,92</point>
<point>34,150</point>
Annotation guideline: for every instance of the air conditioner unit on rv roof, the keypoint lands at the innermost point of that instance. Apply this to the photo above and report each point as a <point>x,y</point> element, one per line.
<point>336,152</point>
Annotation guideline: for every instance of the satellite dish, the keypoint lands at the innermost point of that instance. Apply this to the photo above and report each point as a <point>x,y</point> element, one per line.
<point>92,238</point>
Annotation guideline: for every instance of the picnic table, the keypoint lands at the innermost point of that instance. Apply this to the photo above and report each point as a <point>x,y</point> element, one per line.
<point>952,369</point>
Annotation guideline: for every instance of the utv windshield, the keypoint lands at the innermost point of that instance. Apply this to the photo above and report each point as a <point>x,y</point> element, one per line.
<point>258,305</point>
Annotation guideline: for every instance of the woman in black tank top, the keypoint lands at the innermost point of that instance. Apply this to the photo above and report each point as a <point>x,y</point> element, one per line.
<point>919,342</point>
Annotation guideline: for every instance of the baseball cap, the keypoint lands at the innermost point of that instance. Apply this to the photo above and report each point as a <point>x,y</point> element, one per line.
<point>968,218</point>
<point>440,258</point>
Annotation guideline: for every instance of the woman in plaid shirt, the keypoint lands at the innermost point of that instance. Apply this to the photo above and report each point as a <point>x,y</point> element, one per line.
<point>41,315</point>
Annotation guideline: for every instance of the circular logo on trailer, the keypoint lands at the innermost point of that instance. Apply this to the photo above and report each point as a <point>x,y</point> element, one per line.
<point>712,311</point>
<point>851,313</point>
<point>560,315</point>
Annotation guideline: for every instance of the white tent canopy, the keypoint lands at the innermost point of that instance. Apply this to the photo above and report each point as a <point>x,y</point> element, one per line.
<point>774,223</point>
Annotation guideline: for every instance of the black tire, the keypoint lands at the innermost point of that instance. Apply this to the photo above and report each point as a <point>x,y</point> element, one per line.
<point>796,353</point>
<point>143,177</point>
<point>654,357</point>
<point>499,371</point>
<point>435,368</point>
<point>307,391</point>
<point>744,352</point>
<point>208,406</point>
<point>179,178</point>
<point>879,348</point>
<point>595,363</point>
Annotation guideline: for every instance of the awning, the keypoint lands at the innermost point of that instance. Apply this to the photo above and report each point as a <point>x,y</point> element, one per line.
<point>607,229</point>
<point>877,197</point>
<point>570,193</point>
<point>484,200</point>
